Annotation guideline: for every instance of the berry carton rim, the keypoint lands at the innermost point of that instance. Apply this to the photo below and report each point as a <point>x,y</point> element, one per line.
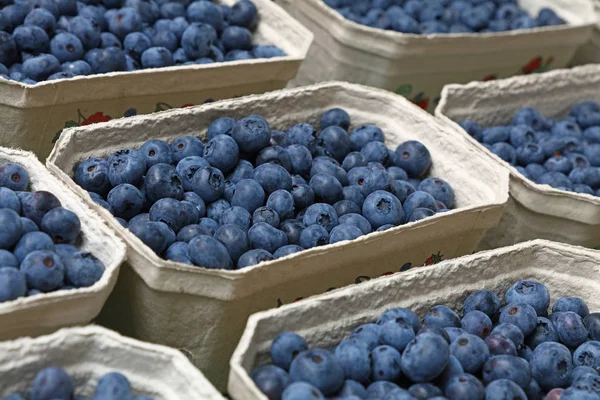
<point>388,43</point>
<point>277,27</point>
<point>326,319</point>
<point>508,95</point>
<point>83,358</point>
<point>484,208</point>
<point>42,313</point>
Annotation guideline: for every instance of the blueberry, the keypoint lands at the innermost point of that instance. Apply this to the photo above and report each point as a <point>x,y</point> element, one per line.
<point>520,314</point>
<point>267,51</point>
<point>471,351</point>
<point>465,386</point>
<point>353,388</point>
<point>354,359</point>
<point>157,57</point>
<point>423,391</point>
<point>237,216</point>
<point>292,228</point>
<point>385,363</point>
<point>357,220</point>
<point>196,201</point>
<point>335,141</point>
<point>287,250</point>
<point>9,52</point>
<point>162,181</point>
<point>344,232</point>
<point>221,126</point>
<point>82,269</point>
<point>135,44</point>
<point>96,198</point>
<point>277,155</point>
<point>208,252</point>
<point>43,270</point>
<point>530,153</point>
<point>87,31</point>
<point>544,332</point>
<point>126,166</point>
<point>477,323</point>
<point>314,236</point>
<point>244,13</point>
<point>114,385</point>
<point>92,174</point>
<point>343,207</point>
<point>535,171</point>
<point>305,135</point>
<point>335,117</point>
<point>303,196</point>
<point>272,177</point>
<point>156,235</point>
<point>62,225</point>
<point>249,194</point>
<point>500,345</point>
<point>266,215</point>
<point>52,383</point>
<point>235,240</point>
<point>126,200</point>
<point>253,257</point>
<point>355,159</point>
<point>329,166</point>
<point>556,180</point>
<point>266,237</point>
<point>285,347</point>
<point>587,355</point>
<point>125,21</point>
<point>582,370</point>
<point>165,39</point>
<point>155,152</point>
<point>482,300</point>
<point>382,208</point>
<point>209,183</point>
<point>321,214</point>
<point>570,329</point>
<point>507,367</point>
<point>14,177</point>
<point>31,39</point>
<point>529,292</point>
<point>222,152</point>
<point>243,170</point>
<point>327,189</point>
<point>11,221</point>
<point>551,365</point>
<point>364,134</point>
<point>187,167</point>
<point>574,304</point>
<point>397,333</point>
<point>189,232</point>
<point>206,12</point>
<point>425,357</point>
<point>41,67</point>
<point>252,133</point>
<point>12,284</point>
<point>271,380</point>
<point>179,252</point>
<point>380,389</point>
<point>301,390</point>
<point>320,368</point>
<point>504,389</point>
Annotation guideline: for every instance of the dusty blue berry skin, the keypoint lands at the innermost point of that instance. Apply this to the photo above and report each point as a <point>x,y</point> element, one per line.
<point>12,284</point>
<point>82,269</point>
<point>354,359</point>
<point>530,292</point>
<point>320,368</point>
<point>513,368</point>
<point>477,323</point>
<point>442,317</point>
<point>521,315</point>
<point>285,347</point>
<point>551,365</point>
<point>471,351</point>
<point>385,363</point>
<point>208,252</point>
<point>484,301</point>
<point>570,329</point>
<point>43,270</point>
<point>592,323</point>
<point>52,383</point>
<point>425,357</point>
<point>575,304</point>
<point>271,380</point>
<point>382,208</point>
<point>253,257</point>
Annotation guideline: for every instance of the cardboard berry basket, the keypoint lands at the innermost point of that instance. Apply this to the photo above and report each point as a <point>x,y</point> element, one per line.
<point>590,52</point>
<point>327,319</point>
<point>45,313</point>
<point>418,66</point>
<point>87,353</point>
<point>203,311</point>
<point>533,211</point>
<point>32,117</point>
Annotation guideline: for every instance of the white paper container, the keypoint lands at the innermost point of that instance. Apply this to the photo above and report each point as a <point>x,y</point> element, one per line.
<point>33,116</point>
<point>203,311</point>
<point>533,211</point>
<point>590,52</point>
<point>418,66</point>
<point>87,353</point>
<point>42,314</point>
<point>327,319</point>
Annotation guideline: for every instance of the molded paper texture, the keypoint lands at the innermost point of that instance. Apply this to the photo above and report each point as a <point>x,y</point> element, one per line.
<point>45,313</point>
<point>204,311</point>
<point>533,211</point>
<point>87,353</point>
<point>33,117</point>
<point>418,66</point>
<point>327,319</point>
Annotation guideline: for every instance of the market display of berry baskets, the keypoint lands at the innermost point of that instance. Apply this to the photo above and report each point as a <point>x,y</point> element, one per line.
<point>71,63</point>
<point>251,199</point>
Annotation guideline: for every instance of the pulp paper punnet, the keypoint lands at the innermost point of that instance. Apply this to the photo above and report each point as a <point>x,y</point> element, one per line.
<point>204,311</point>
<point>33,116</point>
<point>42,314</point>
<point>88,353</point>
<point>418,66</point>
<point>533,211</point>
<point>327,319</point>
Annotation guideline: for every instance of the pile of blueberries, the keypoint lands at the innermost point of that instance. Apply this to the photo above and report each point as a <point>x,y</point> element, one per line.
<point>515,352</point>
<point>37,241</point>
<point>253,194</point>
<point>54,383</point>
<point>563,153</point>
<point>58,39</point>
<point>443,16</point>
